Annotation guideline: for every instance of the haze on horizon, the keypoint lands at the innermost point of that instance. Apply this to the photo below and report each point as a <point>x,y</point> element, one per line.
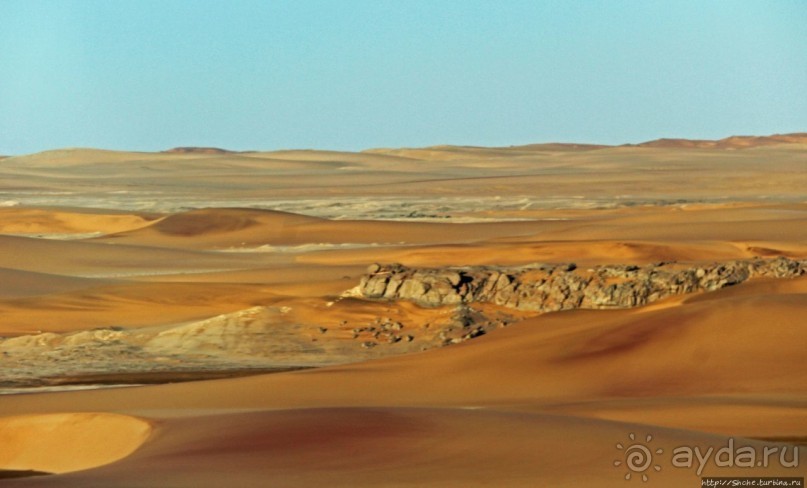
<point>243,75</point>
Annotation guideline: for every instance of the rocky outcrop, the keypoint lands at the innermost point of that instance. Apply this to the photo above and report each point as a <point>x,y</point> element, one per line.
<point>552,287</point>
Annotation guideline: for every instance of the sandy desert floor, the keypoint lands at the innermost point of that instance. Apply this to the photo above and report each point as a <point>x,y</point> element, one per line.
<point>180,319</point>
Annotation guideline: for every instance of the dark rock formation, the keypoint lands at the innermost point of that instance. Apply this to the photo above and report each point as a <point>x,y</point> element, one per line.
<point>552,287</point>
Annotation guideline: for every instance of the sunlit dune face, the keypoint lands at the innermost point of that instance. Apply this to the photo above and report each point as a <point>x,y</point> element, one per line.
<point>62,443</point>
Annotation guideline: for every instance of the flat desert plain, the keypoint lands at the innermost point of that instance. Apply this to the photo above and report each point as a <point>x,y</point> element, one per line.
<point>546,315</point>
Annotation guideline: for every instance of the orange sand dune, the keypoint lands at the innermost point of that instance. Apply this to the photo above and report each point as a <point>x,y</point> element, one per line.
<point>692,227</point>
<point>94,259</point>
<point>393,447</point>
<point>525,252</point>
<point>14,283</point>
<point>238,228</point>
<point>244,228</point>
<point>15,220</point>
<point>542,402</point>
<point>703,363</point>
<point>552,359</point>
<point>128,305</point>
<point>61,443</point>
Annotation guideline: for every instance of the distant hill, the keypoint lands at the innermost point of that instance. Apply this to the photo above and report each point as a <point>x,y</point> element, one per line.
<point>733,142</point>
<point>560,146</point>
<point>441,152</point>
<point>198,150</point>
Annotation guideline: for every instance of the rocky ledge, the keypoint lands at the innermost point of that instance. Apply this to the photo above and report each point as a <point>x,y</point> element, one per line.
<point>552,287</point>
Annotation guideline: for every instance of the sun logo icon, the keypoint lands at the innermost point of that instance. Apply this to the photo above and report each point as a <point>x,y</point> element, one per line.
<point>638,457</point>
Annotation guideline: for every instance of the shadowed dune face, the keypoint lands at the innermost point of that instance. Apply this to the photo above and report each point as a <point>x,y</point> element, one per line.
<point>214,221</point>
<point>62,443</point>
<point>194,224</point>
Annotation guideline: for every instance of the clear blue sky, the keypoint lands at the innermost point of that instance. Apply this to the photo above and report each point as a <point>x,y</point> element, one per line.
<point>342,74</point>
